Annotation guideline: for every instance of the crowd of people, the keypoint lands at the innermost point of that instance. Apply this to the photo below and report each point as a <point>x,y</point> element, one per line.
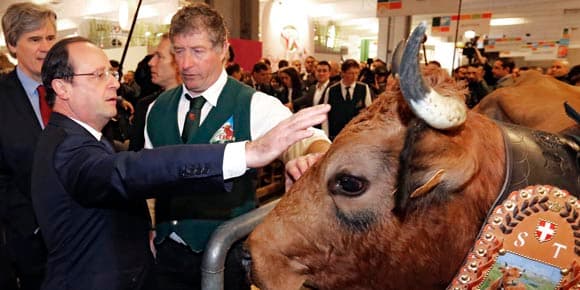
<point>73,186</point>
<point>483,77</point>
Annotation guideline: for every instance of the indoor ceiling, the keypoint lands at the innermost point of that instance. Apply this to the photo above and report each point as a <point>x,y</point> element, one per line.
<point>543,19</point>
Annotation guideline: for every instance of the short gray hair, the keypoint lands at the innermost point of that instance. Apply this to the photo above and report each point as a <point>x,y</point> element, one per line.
<point>24,17</point>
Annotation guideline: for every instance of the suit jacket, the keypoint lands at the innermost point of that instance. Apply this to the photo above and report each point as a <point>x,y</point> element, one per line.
<point>19,130</point>
<point>90,203</point>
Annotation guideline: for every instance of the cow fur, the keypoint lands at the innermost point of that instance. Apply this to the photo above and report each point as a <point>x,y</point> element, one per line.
<point>534,101</point>
<point>425,195</point>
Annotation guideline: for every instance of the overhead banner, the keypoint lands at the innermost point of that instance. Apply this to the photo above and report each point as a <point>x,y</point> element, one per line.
<point>446,25</point>
<point>387,8</point>
<point>518,47</point>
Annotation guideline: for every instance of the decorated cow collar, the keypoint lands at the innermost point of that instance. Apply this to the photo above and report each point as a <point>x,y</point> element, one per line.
<point>531,238</point>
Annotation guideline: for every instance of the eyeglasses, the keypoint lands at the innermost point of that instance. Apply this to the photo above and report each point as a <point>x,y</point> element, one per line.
<point>102,75</point>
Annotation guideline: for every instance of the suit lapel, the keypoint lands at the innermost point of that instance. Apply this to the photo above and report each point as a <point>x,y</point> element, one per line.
<point>20,102</point>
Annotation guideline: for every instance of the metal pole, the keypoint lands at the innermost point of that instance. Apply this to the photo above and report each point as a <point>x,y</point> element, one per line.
<point>214,256</point>
<point>456,34</point>
<point>130,35</point>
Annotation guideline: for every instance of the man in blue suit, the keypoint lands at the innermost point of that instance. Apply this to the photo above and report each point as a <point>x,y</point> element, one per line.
<point>90,202</point>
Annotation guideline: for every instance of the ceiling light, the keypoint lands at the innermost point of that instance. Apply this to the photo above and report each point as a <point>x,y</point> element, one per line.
<point>507,21</point>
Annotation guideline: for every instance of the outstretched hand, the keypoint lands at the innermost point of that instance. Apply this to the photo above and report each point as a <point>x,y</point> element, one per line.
<point>264,150</point>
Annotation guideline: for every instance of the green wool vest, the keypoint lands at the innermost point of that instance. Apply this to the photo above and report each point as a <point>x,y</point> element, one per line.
<point>194,217</point>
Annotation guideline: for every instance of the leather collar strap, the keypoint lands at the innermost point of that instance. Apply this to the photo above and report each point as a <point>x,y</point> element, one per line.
<point>531,227</point>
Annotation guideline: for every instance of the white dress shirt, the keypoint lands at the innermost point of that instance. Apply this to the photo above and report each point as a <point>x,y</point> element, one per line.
<point>265,113</point>
<point>368,99</point>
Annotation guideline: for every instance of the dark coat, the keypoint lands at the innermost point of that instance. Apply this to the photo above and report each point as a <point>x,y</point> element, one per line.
<point>19,130</point>
<point>91,205</point>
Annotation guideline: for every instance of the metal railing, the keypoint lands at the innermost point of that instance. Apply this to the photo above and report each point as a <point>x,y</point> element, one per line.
<point>214,257</point>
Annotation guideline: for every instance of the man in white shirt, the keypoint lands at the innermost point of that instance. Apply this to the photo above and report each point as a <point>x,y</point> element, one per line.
<point>346,98</point>
<point>208,108</point>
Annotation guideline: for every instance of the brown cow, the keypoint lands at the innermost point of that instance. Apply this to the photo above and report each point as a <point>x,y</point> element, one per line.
<point>535,101</point>
<point>508,279</point>
<point>397,201</point>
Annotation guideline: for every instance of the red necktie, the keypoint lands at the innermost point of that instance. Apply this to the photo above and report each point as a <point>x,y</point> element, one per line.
<point>45,109</point>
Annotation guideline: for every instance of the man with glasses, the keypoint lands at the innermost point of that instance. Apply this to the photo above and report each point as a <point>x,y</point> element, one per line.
<point>30,31</point>
<point>90,201</point>
<point>347,98</point>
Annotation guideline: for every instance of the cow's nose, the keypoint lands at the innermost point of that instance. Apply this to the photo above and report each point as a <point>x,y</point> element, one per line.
<point>247,262</point>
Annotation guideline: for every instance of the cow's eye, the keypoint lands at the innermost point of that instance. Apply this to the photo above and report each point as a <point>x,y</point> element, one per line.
<point>345,184</point>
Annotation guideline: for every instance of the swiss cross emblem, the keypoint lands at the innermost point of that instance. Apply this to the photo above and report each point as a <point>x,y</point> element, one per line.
<point>545,231</point>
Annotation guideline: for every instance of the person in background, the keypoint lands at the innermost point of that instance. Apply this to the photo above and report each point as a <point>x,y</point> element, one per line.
<point>334,71</point>
<point>574,75</point>
<point>90,200</point>
<point>560,69</point>
<point>130,90</point>
<point>315,94</point>
<point>292,87</point>
<point>297,64</point>
<point>164,73</point>
<point>261,75</point>
<point>235,71</point>
<point>346,98</point>
<point>5,65</point>
<point>502,71</point>
<point>30,31</point>
<point>143,77</point>
<point>282,64</point>
<point>478,88</point>
<point>309,77</point>
<point>380,81</point>
<point>460,73</point>
<point>209,108</point>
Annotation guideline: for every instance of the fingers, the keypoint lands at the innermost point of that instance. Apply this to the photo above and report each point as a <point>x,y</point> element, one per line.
<point>297,167</point>
<point>265,149</point>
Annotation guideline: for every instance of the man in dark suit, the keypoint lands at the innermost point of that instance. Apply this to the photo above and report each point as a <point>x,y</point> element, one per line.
<point>347,98</point>
<point>30,31</point>
<point>315,94</point>
<point>90,201</point>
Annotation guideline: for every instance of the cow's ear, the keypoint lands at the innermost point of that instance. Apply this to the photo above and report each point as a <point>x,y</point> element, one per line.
<point>429,185</point>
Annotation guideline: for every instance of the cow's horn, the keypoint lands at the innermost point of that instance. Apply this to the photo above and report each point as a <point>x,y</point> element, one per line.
<point>438,111</point>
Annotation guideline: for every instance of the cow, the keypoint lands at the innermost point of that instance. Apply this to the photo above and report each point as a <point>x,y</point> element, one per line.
<point>398,199</point>
<point>508,279</point>
<point>534,101</point>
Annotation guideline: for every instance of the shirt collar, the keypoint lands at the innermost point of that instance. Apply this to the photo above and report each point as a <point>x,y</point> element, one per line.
<point>28,83</point>
<point>212,93</point>
<point>91,130</point>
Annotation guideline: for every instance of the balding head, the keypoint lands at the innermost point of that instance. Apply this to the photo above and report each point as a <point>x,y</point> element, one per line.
<point>560,68</point>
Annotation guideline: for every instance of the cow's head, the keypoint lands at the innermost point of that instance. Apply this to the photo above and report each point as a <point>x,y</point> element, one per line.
<point>510,276</point>
<point>396,201</point>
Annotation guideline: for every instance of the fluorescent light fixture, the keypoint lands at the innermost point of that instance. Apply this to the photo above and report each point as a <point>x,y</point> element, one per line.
<point>507,21</point>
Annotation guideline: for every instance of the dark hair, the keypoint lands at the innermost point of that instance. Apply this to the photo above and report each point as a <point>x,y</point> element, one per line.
<point>294,77</point>
<point>434,62</point>
<point>232,68</point>
<point>324,62</point>
<point>349,63</point>
<point>57,65</point>
<point>574,74</point>
<point>282,64</point>
<point>143,77</point>
<point>507,63</point>
<point>259,66</point>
